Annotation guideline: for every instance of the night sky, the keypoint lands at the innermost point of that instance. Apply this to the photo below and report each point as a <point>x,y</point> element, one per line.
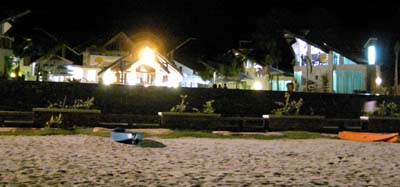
<point>218,25</point>
<point>211,21</point>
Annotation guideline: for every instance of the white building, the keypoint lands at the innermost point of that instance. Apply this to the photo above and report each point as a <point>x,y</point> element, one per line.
<point>190,73</point>
<point>322,68</point>
<point>119,61</point>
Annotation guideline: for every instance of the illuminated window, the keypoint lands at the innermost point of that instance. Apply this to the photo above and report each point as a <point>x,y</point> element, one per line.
<point>371,55</point>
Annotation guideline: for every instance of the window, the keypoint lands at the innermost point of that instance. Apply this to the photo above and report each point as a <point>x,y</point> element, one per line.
<point>298,78</point>
<point>280,85</point>
<point>348,61</point>
<point>336,58</point>
<point>347,81</point>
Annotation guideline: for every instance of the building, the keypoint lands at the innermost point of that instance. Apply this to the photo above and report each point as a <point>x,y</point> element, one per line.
<point>6,52</point>
<point>191,72</point>
<point>120,61</point>
<point>8,62</point>
<point>344,68</point>
<point>252,75</point>
<point>61,64</point>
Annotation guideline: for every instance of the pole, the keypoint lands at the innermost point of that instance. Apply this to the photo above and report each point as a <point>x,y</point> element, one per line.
<point>396,51</point>
<point>171,53</point>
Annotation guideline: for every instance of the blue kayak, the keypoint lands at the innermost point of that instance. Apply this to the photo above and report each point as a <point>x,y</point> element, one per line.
<point>123,136</point>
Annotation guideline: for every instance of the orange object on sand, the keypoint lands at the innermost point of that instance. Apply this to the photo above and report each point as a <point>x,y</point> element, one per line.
<point>369,137</point>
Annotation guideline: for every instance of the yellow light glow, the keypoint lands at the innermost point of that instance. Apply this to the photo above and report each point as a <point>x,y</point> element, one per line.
<point>378,81</point>
<point>77,72</point>
<point>130,78</point>
<point>91,75</point>
<point>147,55</point>
<point>12,75</point>
<point>109,77</point>
<point>142,69</point>
<point>257,86</point>
<point>175,85</point>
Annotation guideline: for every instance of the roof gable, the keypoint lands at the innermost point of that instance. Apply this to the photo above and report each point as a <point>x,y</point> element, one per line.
<point>120,42</point>
<point>349,45</point>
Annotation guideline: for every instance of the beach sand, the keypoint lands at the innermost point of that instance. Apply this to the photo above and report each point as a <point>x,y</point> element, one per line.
<point>81,160</point>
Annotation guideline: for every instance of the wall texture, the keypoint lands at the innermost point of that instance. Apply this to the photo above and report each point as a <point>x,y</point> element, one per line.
<point>19,95</point>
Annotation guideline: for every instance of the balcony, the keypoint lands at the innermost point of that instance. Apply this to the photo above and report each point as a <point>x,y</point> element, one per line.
<point>316,60</point>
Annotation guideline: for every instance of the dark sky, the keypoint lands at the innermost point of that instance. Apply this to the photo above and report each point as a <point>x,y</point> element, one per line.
<point>218,23</point>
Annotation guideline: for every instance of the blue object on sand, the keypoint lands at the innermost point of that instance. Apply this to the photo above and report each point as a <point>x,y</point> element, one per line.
<point>123,136</point>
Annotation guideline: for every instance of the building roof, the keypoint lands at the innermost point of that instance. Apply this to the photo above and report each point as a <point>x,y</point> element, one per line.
<point>347,43</point>
<point>193,63</point>
<point>54,60</point>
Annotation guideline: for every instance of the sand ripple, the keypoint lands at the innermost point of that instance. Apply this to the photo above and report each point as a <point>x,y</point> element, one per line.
<point>97,161</point>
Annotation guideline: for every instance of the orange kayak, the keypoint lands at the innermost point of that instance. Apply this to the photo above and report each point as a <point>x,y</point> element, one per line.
<point>369,137</point>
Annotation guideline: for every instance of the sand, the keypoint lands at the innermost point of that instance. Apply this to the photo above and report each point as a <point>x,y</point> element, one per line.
<point>97,161</point>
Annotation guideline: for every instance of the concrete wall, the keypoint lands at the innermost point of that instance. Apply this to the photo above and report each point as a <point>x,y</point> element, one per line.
<point>20,95</point>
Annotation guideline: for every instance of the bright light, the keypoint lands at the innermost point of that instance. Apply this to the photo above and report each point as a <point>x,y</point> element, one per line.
<point>147,55</point>
<point>175,85</point>
<point>91,75</point>
<point>142,69</point>
<point>257,86</point>
<point>33,68</point>
<point>371,55</point>
<point>130,78</point>
<point>109,77</point>
<point>77,72</point>
<point>378,81</point>
<point>13,75</point>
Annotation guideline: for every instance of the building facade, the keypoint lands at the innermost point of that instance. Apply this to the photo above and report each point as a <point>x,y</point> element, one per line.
<point>117,62</point>
<point>321,68</point>
<point>253,75</point>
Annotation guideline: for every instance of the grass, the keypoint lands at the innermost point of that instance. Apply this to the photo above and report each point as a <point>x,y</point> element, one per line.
<point>54,131</point>
<point>206,134</point>
<point>175,134</point>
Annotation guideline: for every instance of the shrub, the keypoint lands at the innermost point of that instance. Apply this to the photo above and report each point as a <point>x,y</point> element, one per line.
<point>54,121</point>
<point>77,104</point>
<point>389,109</point>
<point>288,108</point>
<point>181,107</point>
<point>207,107</point>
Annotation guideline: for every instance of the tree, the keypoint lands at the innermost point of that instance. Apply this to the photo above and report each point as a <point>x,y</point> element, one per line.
<point>230,67</point>
<point>270,47</point>
<point>207,73</point>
